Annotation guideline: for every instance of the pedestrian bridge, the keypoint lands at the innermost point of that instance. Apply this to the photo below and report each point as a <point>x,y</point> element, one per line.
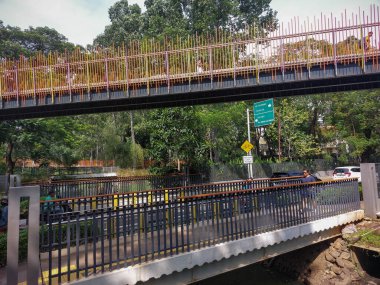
<point>318,57</point>
<point>126,237</point>
<point>200,264</point>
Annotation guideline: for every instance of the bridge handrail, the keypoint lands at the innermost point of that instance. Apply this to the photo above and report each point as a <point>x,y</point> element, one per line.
<point>113,200</point>
<point>274,187</point>
<point>149,191</point>
<point>202,47</point>
<point>122,67</point>
<point>108,238</point>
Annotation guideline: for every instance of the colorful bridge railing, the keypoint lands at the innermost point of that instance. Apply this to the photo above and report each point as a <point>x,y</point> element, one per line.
<point>154,64</point>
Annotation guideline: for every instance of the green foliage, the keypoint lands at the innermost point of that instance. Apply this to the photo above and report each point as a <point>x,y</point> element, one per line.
<point>343,127</point>
<point>138,152</point>
<point>297,141</point>
<point>108,137</point>
<point>356,125</point>
<point>3,167</point>
<point>126,25</point>
<point>23,247</point>
<point>84,228</point>
<point>225,130</point>
<point>172,18</point>
<point>24,208</point>
<point>194,135</point>
<point>3,249</point>
<point>163,18</point>
<point>213,134</point>
<point>41,140</point>
<point>369,238</point>
<point>175,134</point>
<point>15,42</point>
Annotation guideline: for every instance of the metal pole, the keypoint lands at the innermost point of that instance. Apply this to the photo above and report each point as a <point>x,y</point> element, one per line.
<point>279,136</point>
<point>250,166</point>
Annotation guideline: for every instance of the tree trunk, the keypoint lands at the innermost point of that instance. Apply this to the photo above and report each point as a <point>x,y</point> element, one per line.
<point>208,137</point>
<point>10,166</point>
<point>8,158</point>
<point>134,162</point>
<point>215,150</point>
<point>314,123</point>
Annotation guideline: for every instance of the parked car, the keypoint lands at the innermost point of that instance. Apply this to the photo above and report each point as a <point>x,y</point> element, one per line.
<point>347,172</point>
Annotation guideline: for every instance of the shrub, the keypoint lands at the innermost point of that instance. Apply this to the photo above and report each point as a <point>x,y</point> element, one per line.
<point>23,247</point>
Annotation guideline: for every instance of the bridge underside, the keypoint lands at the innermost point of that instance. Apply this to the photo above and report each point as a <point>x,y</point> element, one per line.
<point>204,263</point>
<point>204,90</point>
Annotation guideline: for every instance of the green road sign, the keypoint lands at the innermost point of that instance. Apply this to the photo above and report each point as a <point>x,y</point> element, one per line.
<point>263,113</point>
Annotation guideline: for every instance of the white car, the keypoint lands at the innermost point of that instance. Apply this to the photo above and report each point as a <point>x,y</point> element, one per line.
<point>347,172</point>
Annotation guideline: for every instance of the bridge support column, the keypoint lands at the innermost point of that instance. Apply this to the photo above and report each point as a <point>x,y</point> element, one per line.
<point>371,188</point>
<point>15,193</point>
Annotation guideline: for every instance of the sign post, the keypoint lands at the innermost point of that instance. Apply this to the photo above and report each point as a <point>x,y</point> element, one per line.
<point>247,147</point>
<point>248,159</point>
<point>263,113</point>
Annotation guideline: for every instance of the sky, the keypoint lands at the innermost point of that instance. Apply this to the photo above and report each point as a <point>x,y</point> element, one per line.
<point>82,20</point>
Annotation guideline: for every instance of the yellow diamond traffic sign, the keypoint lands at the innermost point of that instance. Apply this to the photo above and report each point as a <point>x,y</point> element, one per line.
<point>247,146</point>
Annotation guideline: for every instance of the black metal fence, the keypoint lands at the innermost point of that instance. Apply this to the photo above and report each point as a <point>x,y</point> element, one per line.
<point>115,193</point>
<point>83,243</point>
<point>112,185</point>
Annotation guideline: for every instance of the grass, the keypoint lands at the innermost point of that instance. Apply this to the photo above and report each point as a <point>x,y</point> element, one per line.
<point>369,238</point>
<point>132,172</point>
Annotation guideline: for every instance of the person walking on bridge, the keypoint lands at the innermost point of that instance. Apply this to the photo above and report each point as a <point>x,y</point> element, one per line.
<point>50,206</point>
<point>365,43</point>
<point>307,193</point>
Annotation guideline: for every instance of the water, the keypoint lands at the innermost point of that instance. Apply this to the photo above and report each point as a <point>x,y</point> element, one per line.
<point>253,274</point>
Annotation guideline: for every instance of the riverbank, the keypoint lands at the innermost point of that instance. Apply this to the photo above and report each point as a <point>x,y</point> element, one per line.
<point>335,261</point>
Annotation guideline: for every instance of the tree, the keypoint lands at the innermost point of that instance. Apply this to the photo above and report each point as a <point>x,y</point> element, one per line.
<point>15,42</point>
<point>226,127</point>
<point>163,18</point>
<point>297,142</point>
<point>162,21</point>
<point>126,25</point>
<point>355,117</point>
<point>258,13</point>
<point>175,134</point>
<point>29,138</point>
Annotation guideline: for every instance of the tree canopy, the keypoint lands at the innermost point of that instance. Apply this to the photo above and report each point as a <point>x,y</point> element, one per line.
<point>40,140</point>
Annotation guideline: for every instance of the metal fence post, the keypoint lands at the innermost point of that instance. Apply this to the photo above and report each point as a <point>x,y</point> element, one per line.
<point>15,193</point>
<point>17,87</point>
<point>107,77</point>
<point>371,188</point>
